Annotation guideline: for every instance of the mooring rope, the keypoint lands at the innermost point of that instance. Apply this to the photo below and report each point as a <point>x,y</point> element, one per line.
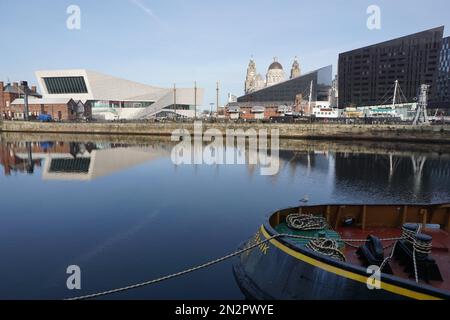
<point>327,247</point>
<point>306,222</point>
<point>418,246</point>
<point>175,275</point>
<point>209,264</point>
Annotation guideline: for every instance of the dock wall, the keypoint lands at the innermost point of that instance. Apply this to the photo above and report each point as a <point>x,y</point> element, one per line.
<point>397,133</point>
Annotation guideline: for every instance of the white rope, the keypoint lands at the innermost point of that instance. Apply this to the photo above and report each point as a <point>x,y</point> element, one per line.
<point>208,264</point>
<point>306,222</point>
<point>327,247</point>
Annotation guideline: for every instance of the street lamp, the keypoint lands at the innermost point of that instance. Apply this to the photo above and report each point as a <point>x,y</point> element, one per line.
<point>211,111</point>
<point>23,89</point>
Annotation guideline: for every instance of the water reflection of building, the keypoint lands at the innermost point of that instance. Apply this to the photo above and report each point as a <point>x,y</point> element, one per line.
<point>370,175</point>
<point>415,174</point>
<point>75,161</point>
<point>18,157</point>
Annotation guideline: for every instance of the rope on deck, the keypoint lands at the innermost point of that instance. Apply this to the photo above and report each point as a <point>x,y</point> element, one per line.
<point>209,264</point>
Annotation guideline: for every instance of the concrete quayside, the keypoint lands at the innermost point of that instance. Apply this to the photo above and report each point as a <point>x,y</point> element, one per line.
<point>396,133</point>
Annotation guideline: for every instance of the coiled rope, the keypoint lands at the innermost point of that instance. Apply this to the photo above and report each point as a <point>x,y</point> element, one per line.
<point>409,235</point>
<point>306,222</point>
<point>419,246</point>
<point>209,264</point>
<point>327,247</point>
<point>309,222</point>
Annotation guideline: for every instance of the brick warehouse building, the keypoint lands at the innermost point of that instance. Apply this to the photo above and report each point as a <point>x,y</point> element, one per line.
<point>12,106</point>
<point>11,92</point>
<point>61,109</point>
<point>249,112</point>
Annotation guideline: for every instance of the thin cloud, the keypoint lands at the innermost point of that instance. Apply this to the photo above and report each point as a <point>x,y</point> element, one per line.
<point>148,11</point>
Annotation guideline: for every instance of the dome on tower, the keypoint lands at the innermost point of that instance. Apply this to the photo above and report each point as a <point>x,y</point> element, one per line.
<point>275,74</point>
<point>276,66</point>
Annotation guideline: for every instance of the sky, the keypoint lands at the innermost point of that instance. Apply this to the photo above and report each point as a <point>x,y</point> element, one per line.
<point>162,42</point>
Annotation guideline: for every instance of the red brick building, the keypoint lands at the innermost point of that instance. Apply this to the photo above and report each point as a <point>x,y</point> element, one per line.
<point>12,106</point>
<point>61,109</point>
<point>9,93</point>
<point>263,112</point>
<point>12,162</point>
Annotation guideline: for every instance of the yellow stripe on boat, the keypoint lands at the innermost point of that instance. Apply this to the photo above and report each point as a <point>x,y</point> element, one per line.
<point>346,274</point>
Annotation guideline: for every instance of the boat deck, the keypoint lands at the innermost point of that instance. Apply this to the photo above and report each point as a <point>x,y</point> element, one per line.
<point>382,221</point>
<point>440,251</point>
<point>282,228</point>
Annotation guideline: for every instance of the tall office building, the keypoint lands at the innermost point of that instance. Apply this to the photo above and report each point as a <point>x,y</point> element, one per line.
<point>367,75</point>
<point>443,85</point>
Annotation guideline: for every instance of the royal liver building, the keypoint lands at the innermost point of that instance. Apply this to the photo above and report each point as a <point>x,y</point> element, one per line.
<point>275,75</point>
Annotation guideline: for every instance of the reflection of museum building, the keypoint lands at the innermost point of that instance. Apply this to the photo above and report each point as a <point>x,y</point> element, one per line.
<point>275,96</point>
<point>75,161</point>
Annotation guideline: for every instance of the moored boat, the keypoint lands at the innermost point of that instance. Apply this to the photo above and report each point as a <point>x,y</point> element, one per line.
<point>349,252</point>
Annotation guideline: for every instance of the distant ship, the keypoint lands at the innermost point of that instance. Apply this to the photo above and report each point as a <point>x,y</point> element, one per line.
<point>349,252</point>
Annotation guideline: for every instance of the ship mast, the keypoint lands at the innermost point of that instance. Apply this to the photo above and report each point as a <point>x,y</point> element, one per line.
<point>310,96</point>
<point>421,117</point>
<point>395,94</point>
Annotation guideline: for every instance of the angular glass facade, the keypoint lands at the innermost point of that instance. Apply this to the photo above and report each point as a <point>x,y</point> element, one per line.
<point>287,91</point>
<point>443,85</point>
<point>120,104</point>
<point>65,85</point>
<point>367,75</point>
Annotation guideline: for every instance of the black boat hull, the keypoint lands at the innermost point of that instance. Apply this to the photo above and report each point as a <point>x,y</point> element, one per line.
<point>280,271</point>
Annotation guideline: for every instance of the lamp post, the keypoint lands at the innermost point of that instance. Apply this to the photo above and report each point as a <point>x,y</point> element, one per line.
<point>175,100</point>
<point>25,90</point>
<point>211,110</point>
<point>195,100</point>
<point>217,97</point>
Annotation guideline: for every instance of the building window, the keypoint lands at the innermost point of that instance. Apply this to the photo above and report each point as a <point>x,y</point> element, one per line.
<point>65,85</point>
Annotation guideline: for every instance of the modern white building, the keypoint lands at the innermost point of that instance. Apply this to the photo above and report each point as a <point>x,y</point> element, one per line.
<point>113,98</point>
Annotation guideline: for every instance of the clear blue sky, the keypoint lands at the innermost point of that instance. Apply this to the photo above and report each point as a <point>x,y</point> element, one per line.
<point>161,42</point>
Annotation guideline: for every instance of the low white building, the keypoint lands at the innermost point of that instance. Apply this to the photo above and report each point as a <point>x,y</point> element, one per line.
<point>324,110</point>
<point>113,98</point>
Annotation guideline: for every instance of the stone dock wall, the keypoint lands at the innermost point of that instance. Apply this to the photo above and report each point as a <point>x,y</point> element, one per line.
<point>396,133</point>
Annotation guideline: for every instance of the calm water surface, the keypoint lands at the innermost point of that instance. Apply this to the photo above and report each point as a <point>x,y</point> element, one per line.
<point>126,213</point>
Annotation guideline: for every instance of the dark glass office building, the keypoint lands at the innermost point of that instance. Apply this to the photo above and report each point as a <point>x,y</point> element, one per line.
<point>287,91</point>
<point>367,75</point>
<point>443,82</point>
